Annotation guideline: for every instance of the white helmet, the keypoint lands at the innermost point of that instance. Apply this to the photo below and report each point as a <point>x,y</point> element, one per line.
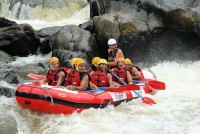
<point>112,41</point>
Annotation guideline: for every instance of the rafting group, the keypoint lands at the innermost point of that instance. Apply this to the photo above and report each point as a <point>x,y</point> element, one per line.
<point>101,73</point>
<point>68,90</point>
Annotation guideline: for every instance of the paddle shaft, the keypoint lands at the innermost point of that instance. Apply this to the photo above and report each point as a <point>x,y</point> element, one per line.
<point>125,83</point>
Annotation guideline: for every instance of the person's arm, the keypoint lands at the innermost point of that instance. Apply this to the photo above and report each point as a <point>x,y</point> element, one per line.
<point>119,54</point>
<point>92,86</point>
<point>110,81</point>
<point>83,85</point>
<point>136,73</point>
<point>91,73</point>
<point>43,81</point>
<point>61,78</point>
<point>129,77</point>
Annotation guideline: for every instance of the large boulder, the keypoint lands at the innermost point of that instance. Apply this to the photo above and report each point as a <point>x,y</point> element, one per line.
<point>125,24</point>
<point>5,58</point>
<point>45,35</point>
<point>11,78</point>
<point>78,43</point>
<point>5,22</point>
<point>19,40</point>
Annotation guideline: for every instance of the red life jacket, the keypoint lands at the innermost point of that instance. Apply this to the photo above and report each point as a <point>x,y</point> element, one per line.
<point>100,79</point>
<point>121,73</point>
<point>140,71</point>
<point>53,76</point>
<point>74,78</point>
<point>91,68</point>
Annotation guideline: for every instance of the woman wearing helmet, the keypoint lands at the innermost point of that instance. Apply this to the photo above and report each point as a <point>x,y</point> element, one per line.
<point>113,53</point>
<point>56,75</point>
<point>94,65</point>
<point>77,78</point>
<point>101,77</point>
<point>134,70</point>
<point>121,72</point>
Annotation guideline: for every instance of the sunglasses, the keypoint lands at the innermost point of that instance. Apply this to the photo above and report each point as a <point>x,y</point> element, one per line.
<point>112,45</point>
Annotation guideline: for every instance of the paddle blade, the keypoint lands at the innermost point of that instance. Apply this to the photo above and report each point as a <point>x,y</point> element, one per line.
<point>114,89</point>
<point>123,88</point>
<point>35,76</point>
<point>148,101</point>
<point>157,84</point>
<point>130,87</point>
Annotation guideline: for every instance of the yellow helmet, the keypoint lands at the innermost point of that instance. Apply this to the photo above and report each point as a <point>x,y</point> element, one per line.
<point>79,61</point>
<point>95,60</point>
<point>103,61</point>
<point>127,61</point>
<point>120,59</point>
<point>74,61</point>
<point>53,59</point>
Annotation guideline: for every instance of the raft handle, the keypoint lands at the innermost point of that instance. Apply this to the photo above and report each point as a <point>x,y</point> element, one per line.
<point>27,102</point>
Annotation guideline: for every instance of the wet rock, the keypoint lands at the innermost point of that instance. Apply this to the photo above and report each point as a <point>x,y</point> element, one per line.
<point>8,92</point>
<point>11,78</point>
<point>23,71</point>
<point>75,40</point>
<point>5,57</point>
<point>45,35</point>
<point>5,22</point>
<point>19,40</point>
<point>98,7</point>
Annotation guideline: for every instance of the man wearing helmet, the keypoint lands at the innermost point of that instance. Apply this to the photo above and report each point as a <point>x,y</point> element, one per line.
<point>101,77</point>
<point>56,75</point>
<point>121,72</point>
<point>77,78</point>
<point>94,65</point>
<point>113,53</point>
<point>134,70</point>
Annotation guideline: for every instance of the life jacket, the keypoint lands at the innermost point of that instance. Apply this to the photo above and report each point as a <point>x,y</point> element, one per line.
<point>112,56</point>
<point>53,76</point>
<point>74,78</point>
<point>100,79</point>
<point>140,71</point>
<point>121,73</point>
<point>91,68</point>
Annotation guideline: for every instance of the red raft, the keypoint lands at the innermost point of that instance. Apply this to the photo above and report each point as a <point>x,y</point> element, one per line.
<point>49,99</point>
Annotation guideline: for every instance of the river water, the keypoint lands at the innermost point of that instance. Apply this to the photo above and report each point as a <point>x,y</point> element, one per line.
<point>177,110</point>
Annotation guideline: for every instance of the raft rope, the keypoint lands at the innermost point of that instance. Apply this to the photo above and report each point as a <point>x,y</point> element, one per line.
<point>154,75</point>
<point>48,95</point>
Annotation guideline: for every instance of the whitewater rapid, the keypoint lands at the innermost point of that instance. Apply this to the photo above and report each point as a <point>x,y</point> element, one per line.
<point>177,110</point>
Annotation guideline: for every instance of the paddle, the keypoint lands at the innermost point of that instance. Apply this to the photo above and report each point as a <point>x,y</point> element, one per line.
<point>35,76</point>
<point>117,89</point>
<point>153,83</point>
<point>107,89</point>
<point>123,88</point>
<point>144,99</point>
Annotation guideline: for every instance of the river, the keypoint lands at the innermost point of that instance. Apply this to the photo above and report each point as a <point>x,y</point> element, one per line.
<point>177,110</point>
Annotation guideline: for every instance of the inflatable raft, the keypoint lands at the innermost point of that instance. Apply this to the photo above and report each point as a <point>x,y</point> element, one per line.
<point>49,99</point>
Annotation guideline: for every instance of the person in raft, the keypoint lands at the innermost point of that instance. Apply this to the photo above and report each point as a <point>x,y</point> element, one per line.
<point>135,71</point>
<point>101,77</point>
<point>113,53</point>
<point>94,65</point>
<point>77,78</point>
<point>56,75</point>
<point>122,73</point>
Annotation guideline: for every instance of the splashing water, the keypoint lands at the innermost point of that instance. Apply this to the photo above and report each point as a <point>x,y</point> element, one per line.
<point>177,110</point>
